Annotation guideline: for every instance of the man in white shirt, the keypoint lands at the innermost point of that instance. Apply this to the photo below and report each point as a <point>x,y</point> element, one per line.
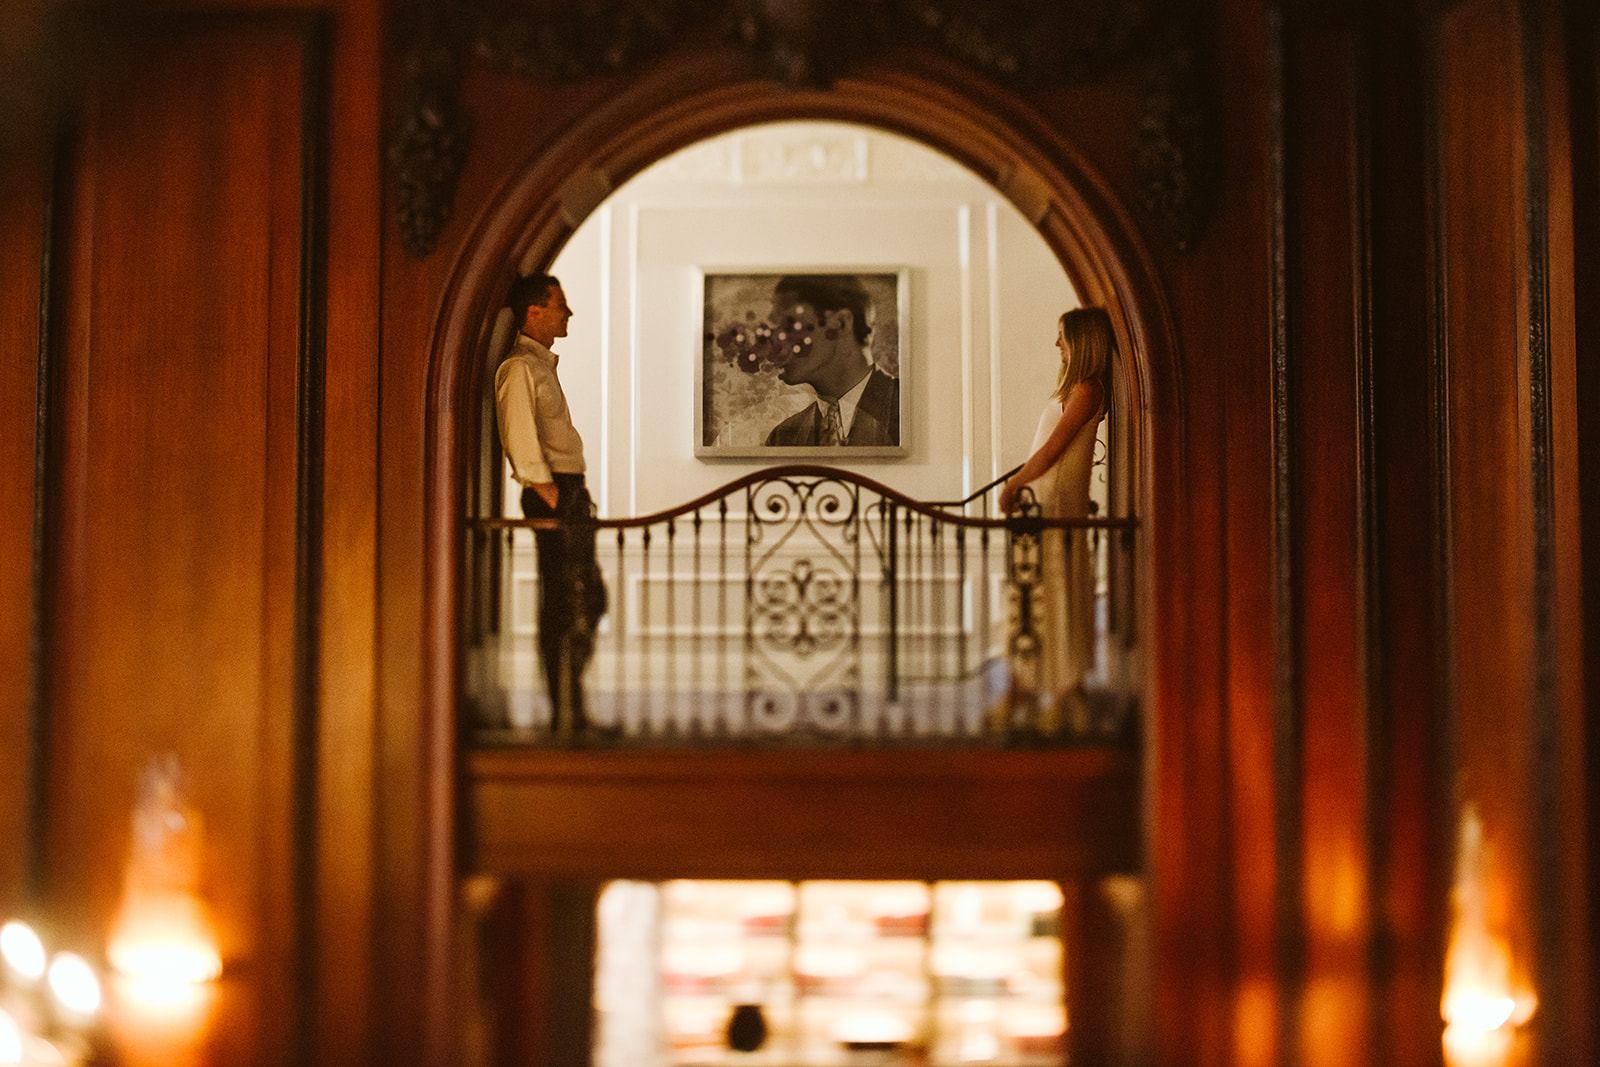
<point>546,455</point>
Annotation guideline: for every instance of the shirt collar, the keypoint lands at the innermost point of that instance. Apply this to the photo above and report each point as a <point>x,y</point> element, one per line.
<point>848,402</point>
<point>534,348</point>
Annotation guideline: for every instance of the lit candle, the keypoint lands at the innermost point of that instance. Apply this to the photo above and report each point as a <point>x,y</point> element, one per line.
<point>165,939</point>
<point>160,1024</point>
<point>1468,1047</point>
<point>162,937</point>
<point>73,983</point>
<point>49,1002</point>
<point>23,952</point>
<point>25,959</point>
<point>1481,1005</point>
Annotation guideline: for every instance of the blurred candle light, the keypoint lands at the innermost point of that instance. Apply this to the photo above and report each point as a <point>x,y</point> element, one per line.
<point>160,1024</point>
<point>10,1040</point>
<point>166,940</point>
<point>167,999</point>
<point>37,1052</point>
<point>18,1048</point>
<point>23,951</point>
<point>1481,1005</point>
<point>47,1003</point>
<point>162,938</point>
<point>74,985</point>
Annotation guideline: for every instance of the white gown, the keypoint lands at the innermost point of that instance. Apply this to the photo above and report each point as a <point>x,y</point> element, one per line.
<point>1064,603</point>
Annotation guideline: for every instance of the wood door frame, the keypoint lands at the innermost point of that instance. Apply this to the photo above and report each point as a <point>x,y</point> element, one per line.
<point>539,205</point>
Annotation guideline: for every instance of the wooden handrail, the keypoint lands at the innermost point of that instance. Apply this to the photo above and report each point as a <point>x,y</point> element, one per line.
<point>934,510</point>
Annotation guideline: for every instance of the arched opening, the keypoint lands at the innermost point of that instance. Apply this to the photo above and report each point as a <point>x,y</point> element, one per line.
<point>964,297</point>
<point>535,218</point>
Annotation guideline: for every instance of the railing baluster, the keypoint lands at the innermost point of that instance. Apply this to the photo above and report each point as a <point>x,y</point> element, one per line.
<point>695,689</point>
<point>986,620</point>
<point>929,615</point>
<point>747,710</point>
<point>936,616</point>
<point>891,582</point>
<point>528,679</point>
<point>857,532</point>
<point>670,689</point>
<point>939,595</point>
<point>962,669</point>
<point>913,603</point>
<point>723,688</point>
<point>930,697</point>
<point>619,630</point>
<point>505,634</point>
<point>645,701</point>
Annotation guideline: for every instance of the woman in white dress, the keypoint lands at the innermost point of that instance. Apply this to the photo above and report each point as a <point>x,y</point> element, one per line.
<point>1057,473</point>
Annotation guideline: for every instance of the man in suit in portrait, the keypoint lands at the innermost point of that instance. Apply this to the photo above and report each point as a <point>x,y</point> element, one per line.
<point>821,323</point>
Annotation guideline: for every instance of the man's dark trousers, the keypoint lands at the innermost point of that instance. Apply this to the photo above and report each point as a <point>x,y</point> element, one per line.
<point>572,596</point>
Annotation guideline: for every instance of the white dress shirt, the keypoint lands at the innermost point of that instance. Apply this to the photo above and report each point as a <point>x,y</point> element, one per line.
<point>536,430</point>
<point>848,403</point>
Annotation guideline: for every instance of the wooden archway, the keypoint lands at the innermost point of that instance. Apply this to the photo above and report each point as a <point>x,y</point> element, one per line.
<point>540,204</point>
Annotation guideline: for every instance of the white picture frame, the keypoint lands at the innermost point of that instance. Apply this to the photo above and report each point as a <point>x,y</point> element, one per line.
<point>742,397</point>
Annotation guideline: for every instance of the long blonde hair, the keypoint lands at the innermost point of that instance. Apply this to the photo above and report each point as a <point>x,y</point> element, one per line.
<point>1090,345</point>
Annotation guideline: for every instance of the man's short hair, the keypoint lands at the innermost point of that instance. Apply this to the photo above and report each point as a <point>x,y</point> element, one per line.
<point>831,292</point>
<point>530,291</point>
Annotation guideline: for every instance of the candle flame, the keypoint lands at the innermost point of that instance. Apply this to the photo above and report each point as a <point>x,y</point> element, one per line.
<point>162,935</point>
<point>74,984</point>
<point>1481,1004</point>
<point>23,950</point>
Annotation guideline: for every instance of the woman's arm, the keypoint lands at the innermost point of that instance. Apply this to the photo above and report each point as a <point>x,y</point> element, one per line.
<point>1080,406</point>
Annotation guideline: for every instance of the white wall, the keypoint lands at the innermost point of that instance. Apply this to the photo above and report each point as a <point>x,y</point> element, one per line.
<point>977,366</point>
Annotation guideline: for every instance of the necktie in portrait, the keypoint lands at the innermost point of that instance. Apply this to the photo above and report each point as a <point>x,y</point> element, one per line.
<point>832,426</point>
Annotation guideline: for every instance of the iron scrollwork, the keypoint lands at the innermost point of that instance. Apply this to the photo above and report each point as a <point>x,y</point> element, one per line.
<point>1025,570</point>
<point>810,43</point>
<point>803,604</point>
<point>814,607</point>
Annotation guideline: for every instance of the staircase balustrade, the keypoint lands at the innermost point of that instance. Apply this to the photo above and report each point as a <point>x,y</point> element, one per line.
<point>803,606</point>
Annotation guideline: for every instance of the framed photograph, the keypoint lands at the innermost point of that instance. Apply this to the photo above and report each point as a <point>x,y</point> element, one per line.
<point>804,363</point>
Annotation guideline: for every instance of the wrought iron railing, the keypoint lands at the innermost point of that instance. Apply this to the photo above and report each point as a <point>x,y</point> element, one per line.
<point>805,605</point>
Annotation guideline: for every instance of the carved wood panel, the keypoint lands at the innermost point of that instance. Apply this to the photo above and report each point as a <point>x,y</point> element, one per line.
<point>22,212</point>
<point>809,44</point>
<point>1504,372</point>
<point>181,512</point>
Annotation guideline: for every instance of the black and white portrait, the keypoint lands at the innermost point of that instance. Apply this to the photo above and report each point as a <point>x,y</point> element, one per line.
<point>805,363</point>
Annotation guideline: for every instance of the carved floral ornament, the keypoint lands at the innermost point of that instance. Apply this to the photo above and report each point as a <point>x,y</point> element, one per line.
<point>807,43</point>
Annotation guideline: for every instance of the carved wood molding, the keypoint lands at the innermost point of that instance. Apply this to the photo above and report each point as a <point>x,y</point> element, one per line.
<point>809,44</point>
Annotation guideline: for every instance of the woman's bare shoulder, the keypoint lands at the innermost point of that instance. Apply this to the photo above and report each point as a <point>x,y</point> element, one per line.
<point>1089,390</point>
